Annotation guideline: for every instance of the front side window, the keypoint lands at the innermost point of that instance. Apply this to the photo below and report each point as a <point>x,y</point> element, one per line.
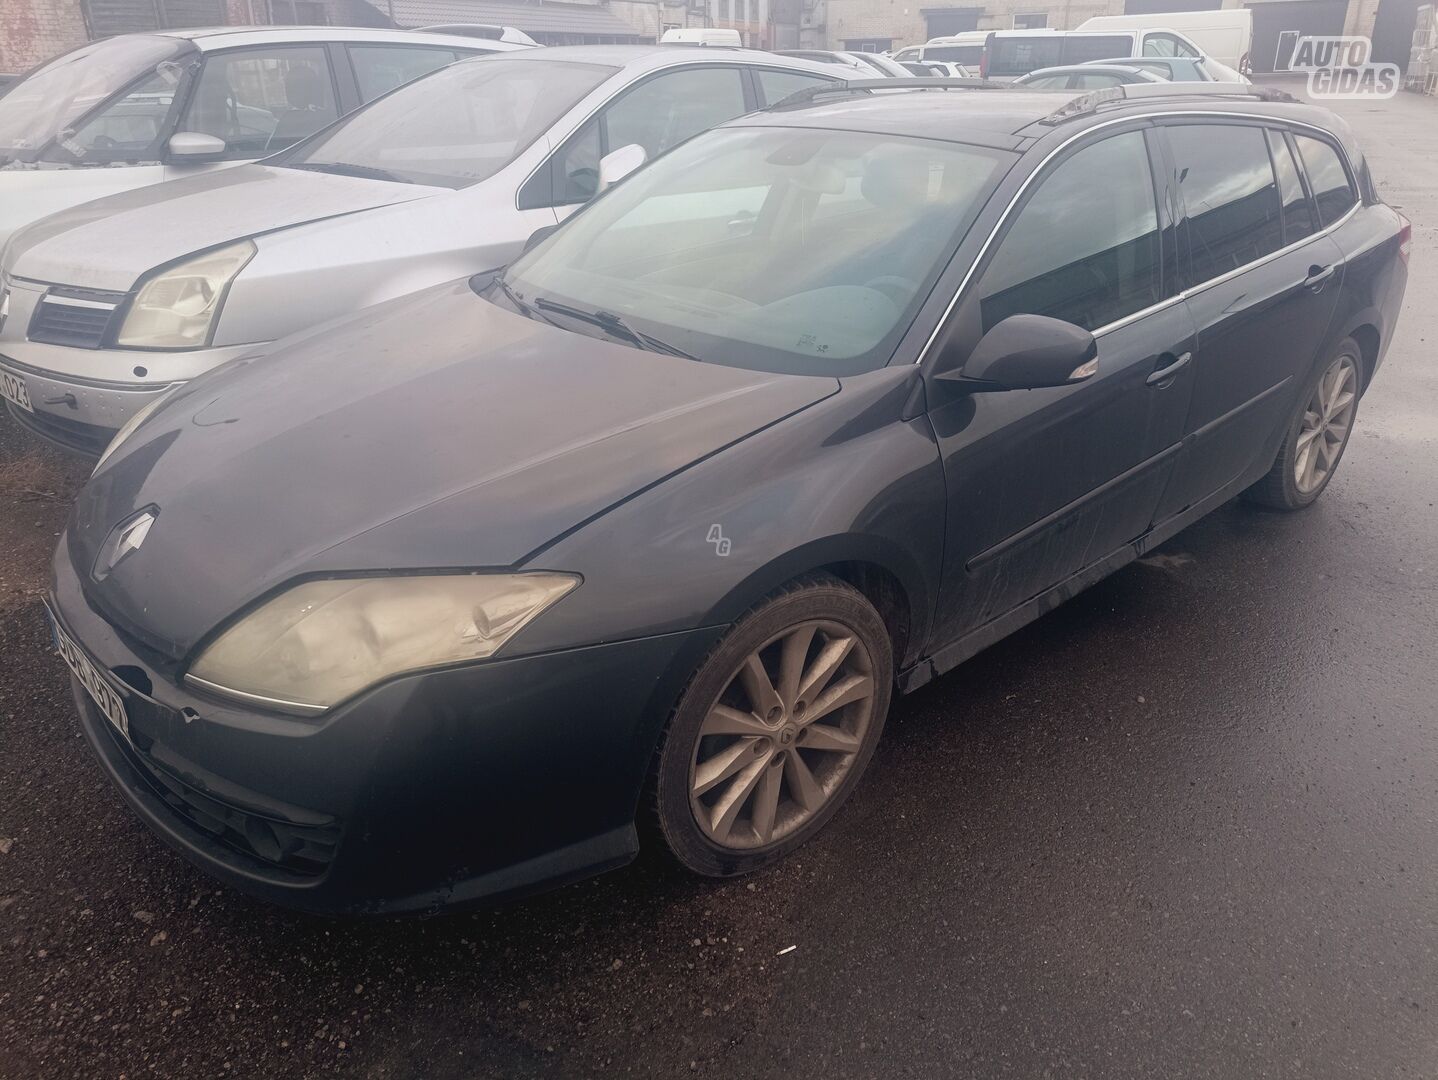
<point>455,127</point>
<point>262,100</point>
<point>1327,177</point>
<point>1089,268</point>
<point>1297,211</point>
<point>1231,194</point>
<point>380,68</point>
<point>1167,45</point>
<point>772,248</point>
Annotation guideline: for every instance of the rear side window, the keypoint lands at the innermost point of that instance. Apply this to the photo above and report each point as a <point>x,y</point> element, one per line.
<point>1231,194</point>
<point>968,55</point>
<point>1089,268</point>
<point>1081,48</point>
<point>380,68</point>
<point>1297,212</point>
<point>1020,55</point>
<point>1332,189</point>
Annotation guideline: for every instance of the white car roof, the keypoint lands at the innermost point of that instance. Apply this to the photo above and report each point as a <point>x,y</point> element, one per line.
<point>227,37</point>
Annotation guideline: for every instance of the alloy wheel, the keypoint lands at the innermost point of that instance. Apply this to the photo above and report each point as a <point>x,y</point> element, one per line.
<point>1327,423</point>
<point>782,735</point>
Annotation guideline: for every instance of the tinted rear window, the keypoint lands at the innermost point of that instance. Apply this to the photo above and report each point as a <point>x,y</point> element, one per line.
<point>1081,48</point>
<point>1020,55</point>
<point>968,55</point>
<point>1230,193</point>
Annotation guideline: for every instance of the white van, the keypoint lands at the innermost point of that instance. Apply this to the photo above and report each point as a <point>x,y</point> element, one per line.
<point>1011,54</point>
<point>966,49</point>
<point>702,35</point>
<point>1225,36</point>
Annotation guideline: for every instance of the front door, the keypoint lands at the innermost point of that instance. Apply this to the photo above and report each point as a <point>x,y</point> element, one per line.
<point>1262,286</point>
<point>1043,483</point>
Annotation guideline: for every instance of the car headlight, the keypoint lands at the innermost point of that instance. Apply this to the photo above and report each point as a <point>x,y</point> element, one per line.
<point>176,308</point>
<point>128,427</point>
<point>320,642</point>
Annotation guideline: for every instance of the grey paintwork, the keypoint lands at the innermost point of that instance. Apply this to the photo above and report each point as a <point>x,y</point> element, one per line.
<point>327,246</point>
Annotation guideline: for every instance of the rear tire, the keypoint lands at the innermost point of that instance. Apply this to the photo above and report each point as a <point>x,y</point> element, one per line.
<point>1317,434</point>
<point>774,730</point>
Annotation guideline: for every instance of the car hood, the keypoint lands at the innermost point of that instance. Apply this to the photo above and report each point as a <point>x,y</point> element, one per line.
<point>434,431</point>
<point>111,242</point>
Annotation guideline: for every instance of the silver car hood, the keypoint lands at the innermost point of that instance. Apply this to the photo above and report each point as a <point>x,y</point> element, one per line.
<point>111,242</point>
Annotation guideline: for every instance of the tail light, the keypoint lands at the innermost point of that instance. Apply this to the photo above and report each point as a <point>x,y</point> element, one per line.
<point>1405,239</point>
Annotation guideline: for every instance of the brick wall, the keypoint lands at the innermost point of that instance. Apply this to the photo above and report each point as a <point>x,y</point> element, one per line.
<point>32,31</point>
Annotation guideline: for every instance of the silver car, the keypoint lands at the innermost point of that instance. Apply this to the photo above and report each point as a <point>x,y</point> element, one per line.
<point>111,304</point>
<point>141,109</point>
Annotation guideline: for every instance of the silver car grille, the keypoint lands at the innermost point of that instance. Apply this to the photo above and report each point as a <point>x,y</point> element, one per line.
<point>79,318</point>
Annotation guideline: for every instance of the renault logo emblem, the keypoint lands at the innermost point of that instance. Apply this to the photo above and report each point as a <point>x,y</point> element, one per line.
<point>124,539</point>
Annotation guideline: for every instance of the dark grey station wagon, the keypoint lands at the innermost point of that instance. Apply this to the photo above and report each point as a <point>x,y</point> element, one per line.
<point>636,538</point>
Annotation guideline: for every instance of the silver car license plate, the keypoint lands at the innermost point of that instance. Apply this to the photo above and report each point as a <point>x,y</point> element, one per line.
<point>89,675</point>
<point>12,388</point>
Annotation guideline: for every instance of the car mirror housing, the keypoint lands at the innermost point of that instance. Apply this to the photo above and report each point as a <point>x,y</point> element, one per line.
<point>617,164</point>
<point>1027,352</point>
<point>194,146</point>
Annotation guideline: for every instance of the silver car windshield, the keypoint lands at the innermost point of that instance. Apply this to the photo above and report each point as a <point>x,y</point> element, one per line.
<point>783,249</point>
<point>55,97</point>
<point>453,128</point>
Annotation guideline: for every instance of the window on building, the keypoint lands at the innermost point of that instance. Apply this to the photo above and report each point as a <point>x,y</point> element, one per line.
<point>873,45</point>
<point>1230,193</point>
<point>1089,269</point>
<point>1033,20</point>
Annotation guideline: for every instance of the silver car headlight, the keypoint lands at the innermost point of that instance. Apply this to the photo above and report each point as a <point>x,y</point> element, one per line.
<point>320,642</point>
<point>176,308</point>
<point>128,427</point>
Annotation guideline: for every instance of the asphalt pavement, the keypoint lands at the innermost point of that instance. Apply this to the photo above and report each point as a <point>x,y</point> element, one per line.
<point>1184,826</point>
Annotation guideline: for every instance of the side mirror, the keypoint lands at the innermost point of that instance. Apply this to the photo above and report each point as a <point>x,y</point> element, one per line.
<point>617,164</point>
<point>539,236</point>
<point>193,146</point>
<point>1027,352</point>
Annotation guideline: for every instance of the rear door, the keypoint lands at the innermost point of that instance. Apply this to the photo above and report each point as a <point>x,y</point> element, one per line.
<point>1044,483</point>
<point>1262,283</point>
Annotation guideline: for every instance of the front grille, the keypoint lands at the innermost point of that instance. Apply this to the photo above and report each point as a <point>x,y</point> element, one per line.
<point>87,439</point>
<point>79,318</point>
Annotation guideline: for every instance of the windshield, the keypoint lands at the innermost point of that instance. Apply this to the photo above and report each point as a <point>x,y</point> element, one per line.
<point>453,128</point>
<point>782,249</point>
<point>53,98</point>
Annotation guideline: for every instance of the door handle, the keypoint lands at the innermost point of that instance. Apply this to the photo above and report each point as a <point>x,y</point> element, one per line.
<point>1318,277</point>
<point>1170,366</point>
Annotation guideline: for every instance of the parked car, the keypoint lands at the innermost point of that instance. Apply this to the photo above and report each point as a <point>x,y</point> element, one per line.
<point>448,602</point>
<point>114,302</point>
<point>966,48</point>
<point>1086,77</point>
<point>1012,53</point>
<point>1225,35</point>
<point>703,35</point>
<point>938,69</point>
<point>1169,68</point>
<point>139,109</point>
<point>866,63</point>
<point>6,81</point>
<point>488,31</point>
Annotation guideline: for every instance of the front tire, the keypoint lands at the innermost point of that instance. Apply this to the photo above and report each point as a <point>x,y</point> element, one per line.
<point>774,729</point>
<point>1317,435</point>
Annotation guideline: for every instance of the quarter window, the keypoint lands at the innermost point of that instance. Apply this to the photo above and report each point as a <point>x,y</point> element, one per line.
<point>262,100</point>
<point>1297,212</point>
<point>1328,178</point>
<point>776,85</point>
<point>1091,267</point>
<point>1231,195</point>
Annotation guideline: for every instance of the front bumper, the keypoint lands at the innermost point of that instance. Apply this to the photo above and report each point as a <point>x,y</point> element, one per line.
<point>76,416</point>
<point>455,787</point>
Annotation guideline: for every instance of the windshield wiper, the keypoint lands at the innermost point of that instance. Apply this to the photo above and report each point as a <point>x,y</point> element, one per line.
<point>342,168</point>
<point>612,324</point>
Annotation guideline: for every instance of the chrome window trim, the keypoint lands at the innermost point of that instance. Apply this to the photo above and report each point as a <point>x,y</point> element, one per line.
<point>1184,294</point>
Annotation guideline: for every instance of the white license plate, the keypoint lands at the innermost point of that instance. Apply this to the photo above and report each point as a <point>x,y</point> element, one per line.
<point>90,677</point>
<point>12,388</point>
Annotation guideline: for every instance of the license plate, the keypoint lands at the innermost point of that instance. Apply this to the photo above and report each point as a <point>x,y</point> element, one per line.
<point>89,675</point>
<point>12,388</point>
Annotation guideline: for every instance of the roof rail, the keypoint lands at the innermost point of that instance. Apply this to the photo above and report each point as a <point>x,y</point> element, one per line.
<point>1097,99</point>
<point>865,86</point>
